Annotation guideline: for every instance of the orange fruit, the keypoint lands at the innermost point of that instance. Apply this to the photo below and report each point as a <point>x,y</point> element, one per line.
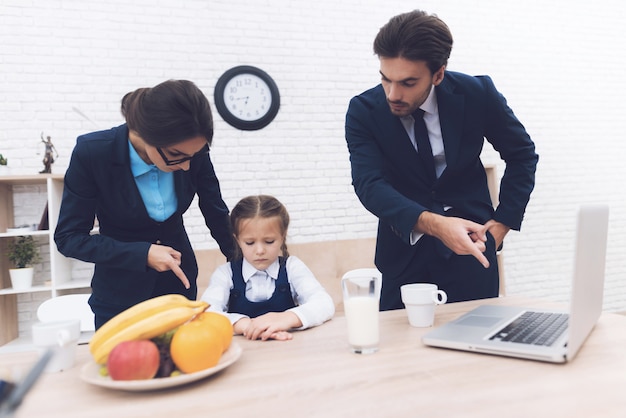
<point>221,323</point>
<point>196,346</point>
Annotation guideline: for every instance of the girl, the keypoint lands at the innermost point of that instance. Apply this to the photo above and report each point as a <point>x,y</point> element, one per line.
<point>266,294</point>
<point>138,179</point>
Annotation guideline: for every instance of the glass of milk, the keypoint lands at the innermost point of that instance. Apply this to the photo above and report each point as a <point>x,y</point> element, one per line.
<point>360,299</point>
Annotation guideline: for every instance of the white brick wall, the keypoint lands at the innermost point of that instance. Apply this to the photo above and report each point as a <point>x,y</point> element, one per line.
<point>558,63</point>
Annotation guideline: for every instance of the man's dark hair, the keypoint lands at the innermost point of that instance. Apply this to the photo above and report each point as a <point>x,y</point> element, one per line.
<point>416,36</point>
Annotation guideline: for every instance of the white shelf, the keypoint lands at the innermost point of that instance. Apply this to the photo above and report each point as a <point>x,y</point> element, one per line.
<point>24,233</point>
<point>32,289</point>
<point>60,281</point>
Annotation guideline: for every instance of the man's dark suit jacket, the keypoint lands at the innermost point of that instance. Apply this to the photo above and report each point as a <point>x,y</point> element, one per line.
<point>99,183</point>
<point>389,179</point>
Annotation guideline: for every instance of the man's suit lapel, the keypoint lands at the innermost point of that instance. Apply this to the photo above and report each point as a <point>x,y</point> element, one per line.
<point>396,141</point>
<point>451,114</point>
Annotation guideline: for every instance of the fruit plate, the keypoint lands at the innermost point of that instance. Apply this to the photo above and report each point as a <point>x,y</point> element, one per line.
<point>90,373</point>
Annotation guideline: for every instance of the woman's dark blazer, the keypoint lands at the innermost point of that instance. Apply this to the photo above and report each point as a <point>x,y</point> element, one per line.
<point>99,184</point>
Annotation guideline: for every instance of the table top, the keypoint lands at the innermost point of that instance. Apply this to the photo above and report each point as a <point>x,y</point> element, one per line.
<point>315,375</point>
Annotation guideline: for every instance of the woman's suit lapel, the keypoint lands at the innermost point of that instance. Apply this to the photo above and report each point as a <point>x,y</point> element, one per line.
<point>122,176</point>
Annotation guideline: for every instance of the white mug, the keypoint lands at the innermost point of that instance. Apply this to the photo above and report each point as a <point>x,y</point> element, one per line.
<point>420,300</point>
<point>62,338</point>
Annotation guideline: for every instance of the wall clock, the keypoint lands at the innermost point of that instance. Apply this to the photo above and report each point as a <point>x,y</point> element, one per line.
<point>247,97</point>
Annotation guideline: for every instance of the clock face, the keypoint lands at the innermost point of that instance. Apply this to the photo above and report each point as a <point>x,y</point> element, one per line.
<point>247,97</point>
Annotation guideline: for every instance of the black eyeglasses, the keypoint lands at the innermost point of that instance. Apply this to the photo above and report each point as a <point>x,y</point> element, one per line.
<point>204,150</point>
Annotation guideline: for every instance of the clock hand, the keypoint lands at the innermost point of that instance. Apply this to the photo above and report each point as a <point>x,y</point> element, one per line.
<point>243,98</point>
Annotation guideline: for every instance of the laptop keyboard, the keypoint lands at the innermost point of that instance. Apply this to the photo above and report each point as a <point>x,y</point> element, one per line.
<point>537,328</point>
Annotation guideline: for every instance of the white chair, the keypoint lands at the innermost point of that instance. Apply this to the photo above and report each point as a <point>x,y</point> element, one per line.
<point>492,184</point>
<point>66,307</point>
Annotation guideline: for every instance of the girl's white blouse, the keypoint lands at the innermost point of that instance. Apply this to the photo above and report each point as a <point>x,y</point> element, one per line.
<point>314,305</point>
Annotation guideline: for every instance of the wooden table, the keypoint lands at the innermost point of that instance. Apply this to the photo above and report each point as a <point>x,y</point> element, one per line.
<point>315,375</point>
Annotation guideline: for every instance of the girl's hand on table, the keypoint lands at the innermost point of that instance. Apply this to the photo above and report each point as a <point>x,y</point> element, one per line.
<point>272,325</point>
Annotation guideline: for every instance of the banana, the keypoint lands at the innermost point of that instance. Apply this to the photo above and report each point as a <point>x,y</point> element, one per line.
<point>136,313</point>
<point>132,315</point>
<point>147,328</point>
<point>145,320</point>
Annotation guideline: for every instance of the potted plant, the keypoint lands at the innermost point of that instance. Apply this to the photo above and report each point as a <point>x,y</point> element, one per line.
<point>23,252</point>
<point>3,164</point>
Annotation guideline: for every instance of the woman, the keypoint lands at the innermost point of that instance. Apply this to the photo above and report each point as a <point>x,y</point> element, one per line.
<point>138,179</point>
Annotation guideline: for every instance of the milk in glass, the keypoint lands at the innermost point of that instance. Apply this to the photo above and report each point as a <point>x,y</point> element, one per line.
<point>360,298</point>
<point>362,318</point>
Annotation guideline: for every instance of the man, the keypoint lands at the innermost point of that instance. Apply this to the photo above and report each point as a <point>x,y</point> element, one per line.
<point>436,219</point>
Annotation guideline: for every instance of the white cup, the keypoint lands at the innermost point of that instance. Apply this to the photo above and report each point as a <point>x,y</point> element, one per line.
<point>420,300</point>
<point>62,338</point>
<point>360,301</point>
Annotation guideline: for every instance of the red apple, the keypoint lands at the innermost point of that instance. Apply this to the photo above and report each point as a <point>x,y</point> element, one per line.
<point>133,360</point>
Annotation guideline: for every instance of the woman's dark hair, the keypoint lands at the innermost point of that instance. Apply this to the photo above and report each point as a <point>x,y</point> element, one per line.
<point>168,113</point>
<point>262,206</point>
<point>416,36</point>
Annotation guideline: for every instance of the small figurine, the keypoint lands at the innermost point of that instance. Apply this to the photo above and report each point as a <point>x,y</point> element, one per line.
<point>48,158</point>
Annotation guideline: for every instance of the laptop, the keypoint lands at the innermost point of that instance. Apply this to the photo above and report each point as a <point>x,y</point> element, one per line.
<point>537,334</point>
